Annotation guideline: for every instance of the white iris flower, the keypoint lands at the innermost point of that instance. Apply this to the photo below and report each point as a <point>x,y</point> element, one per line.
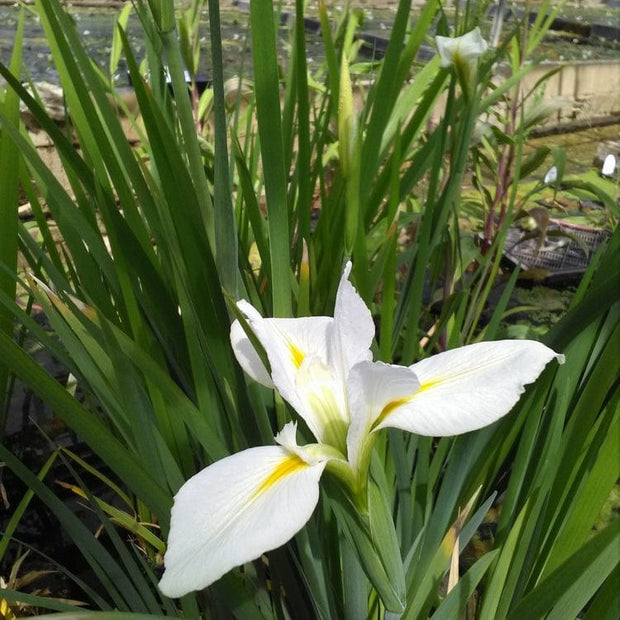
<point>256,500</point>
<point>463,50</point>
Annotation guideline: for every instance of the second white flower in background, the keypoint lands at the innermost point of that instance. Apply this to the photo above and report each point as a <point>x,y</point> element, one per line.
<point>464,50</point>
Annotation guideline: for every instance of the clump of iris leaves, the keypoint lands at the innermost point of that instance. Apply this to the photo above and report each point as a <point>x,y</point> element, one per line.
<point>243,192</point>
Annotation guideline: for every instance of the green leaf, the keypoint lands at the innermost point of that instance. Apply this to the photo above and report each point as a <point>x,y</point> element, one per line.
<point>497,578</point>
<point>568,589</point>
<point>269,121</point>
<point>593,188</point>
<point>95,615</point>
<point>595,479</point>
<point>534,160</point>
<point>9,192</point>
<point>226,249</point>
<point>118,585</point>
<point>46,602</point>
<point>452,606</point>
<point>606,603</point>
<point>93,431</point>
<point>117,46</point>
<point>18,513</point>
<point>374,538</point>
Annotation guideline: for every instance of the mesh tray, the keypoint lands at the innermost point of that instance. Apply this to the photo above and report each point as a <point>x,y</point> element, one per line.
<point>559,256</point>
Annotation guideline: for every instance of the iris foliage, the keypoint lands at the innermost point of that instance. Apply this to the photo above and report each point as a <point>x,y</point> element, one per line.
<point>264,194</point>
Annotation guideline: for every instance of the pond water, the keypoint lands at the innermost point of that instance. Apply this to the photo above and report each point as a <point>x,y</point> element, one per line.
<point>96,25</point>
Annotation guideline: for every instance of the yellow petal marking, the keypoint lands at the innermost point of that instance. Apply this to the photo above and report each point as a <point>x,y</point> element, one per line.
<point>428,385</point>
<point>394,404</point>
<point>289,465</point>
<point>297,355</point>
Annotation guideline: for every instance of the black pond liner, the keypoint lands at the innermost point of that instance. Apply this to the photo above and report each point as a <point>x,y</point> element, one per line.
<point>561,257</point>
<point>39,529</point>
<point>565,24</point>
<point>203,82</point>
<point>33,432</point>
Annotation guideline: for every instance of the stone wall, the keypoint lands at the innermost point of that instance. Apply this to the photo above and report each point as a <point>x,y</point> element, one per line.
<point>579,94</point>
<point>591,90</point>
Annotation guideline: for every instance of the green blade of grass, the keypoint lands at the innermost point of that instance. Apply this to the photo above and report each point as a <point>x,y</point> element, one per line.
<point>9,191</point>
<point>191,148</point>
<point>269,121</point>
<point>87,426</point>
<point>125,557</point>
<point>304,148</point>
<point>21,508</point>
<point>598,475</point>
<point>567,590</point>
<point>605,604</point>
<point>387,88</point>
<point>44,602</point>
<point>225,233</point>
<point>106,568</point>
<point>457,598</point>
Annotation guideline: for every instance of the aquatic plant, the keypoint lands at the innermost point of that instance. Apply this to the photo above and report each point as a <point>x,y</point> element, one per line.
<point>256,500</point>
<point>158,243</point>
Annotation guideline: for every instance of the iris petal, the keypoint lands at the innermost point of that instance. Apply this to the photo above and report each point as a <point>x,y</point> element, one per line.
<point>310,359</point>
<point>374,390</point>
<point>234,511</point>
<point>353,328</point>
<point>466,48</point>
<point>465,389</point>
<point>287,343</point>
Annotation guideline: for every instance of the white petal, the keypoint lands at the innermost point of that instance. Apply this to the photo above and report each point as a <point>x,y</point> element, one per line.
<point>312,453</point>
<point>467,47</point>
<point>247,356</point>
<point>235,510</point>
<point>374,390</point>
<point>321,385</point>
<point>468,388</point>
<point>310,359</point>
<point>551,176</point>
<point>471,45</point>
<point>609,165</point>
<point>353,327</point>
<point>287,343</point>
<point>287,438</point>
<point>445,49</point>
<point>321,401</point>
